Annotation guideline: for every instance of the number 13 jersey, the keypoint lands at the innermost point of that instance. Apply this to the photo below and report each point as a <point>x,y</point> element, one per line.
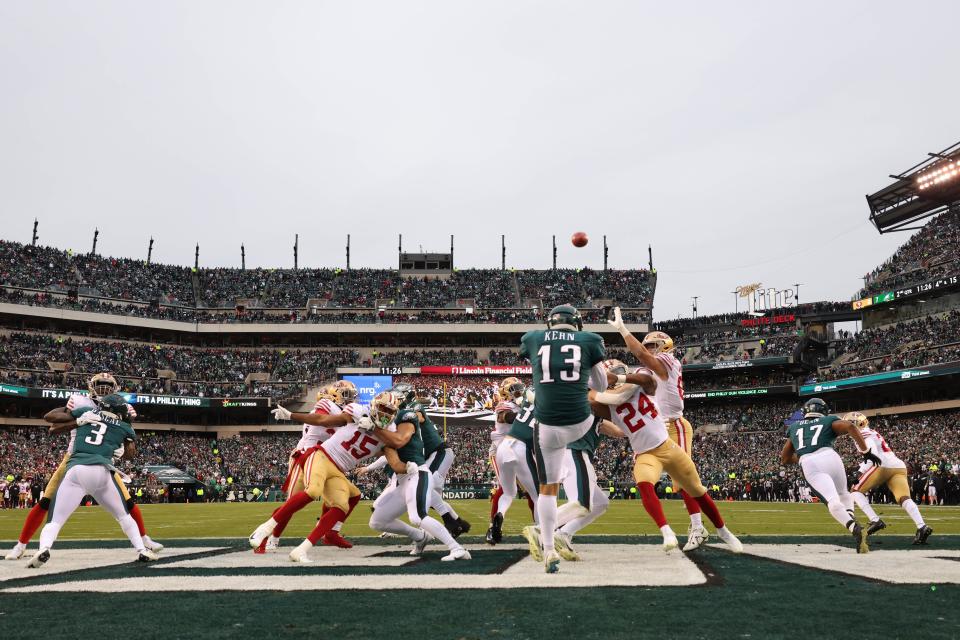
<point>562,361</point>
<point>641,421</point>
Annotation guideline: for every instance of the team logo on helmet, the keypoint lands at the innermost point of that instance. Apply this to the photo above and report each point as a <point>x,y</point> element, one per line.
<point>857,419</point>
<point>114,406</point>
<point>511,389</point>
<point>102,384</point>
<point>617,368</point>
<point>565,315</point>
<point>384,408</point>
<point>815,408</point>
<point>661,342</point>
<point>343,391</point>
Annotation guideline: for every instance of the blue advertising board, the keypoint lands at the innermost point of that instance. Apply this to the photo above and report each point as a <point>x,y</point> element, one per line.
<point>369,386</point>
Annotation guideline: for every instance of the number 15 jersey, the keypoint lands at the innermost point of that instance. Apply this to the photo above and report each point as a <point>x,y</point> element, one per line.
<point>349,445</point>
<point>563,361</point>
<point>641,421</point>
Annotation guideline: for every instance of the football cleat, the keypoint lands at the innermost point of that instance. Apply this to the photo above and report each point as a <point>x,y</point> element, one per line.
<point>457,554</point>
<point>495,532</point>
<point>860,536</point>
<point>420,545</point>
<point>731,540</point>
<point>145,555</point>
<point>561,542</point>
<point>17,552</point>
<point>551,561</point>
<point>334,539</point>
<point>38,560</point>
<point>156,547</point>
<point>532,534</point>
<point>922,534</point>
<point>462,527</point>
<point>876,525</point>
<point>261,533</point>
<point>696,536</point>
<point>670,542</point>
<point>301,553</point>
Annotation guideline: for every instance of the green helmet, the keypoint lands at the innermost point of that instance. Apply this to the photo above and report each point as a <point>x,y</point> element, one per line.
<point>115,404</point>
<point>405,391</point>
<point>565,314</point>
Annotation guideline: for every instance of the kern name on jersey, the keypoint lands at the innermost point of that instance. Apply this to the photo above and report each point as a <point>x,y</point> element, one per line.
<point>882,450</point>
<point>351,444</point>
<point>669,394</point>
<point>812,434</point>
<point>640,419</point>
<point>314,435</point>
<point>501,429</point>
<point>562,361</point>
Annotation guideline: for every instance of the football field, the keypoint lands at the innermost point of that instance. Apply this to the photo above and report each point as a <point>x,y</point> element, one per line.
<point>798,577</point>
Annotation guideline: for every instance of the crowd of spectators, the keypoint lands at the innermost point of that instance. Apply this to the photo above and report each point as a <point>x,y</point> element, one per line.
<point>929,253</point>
<point>736,379</point>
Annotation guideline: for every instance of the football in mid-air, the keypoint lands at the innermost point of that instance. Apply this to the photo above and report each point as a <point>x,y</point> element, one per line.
<point>579,239</point>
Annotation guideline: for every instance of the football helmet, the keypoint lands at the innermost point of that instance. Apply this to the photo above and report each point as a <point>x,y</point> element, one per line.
<point>384,408</point>
<point>114,406</point>
<point>858,419</point>
<point>815,408</point>
<point>404,391</point>
<point>102,384</point>
<point>565,315</point>
<point>510,389</point>
<point>344,392</point>
<point>661,342</point>
<point>326,393</point>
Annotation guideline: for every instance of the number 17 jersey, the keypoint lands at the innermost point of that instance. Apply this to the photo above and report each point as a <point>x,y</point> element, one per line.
<point>641,421</point>
<point>812,434</point>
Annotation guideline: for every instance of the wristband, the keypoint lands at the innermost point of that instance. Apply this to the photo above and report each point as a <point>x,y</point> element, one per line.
<point>624,331</point>
<point>621,379</point>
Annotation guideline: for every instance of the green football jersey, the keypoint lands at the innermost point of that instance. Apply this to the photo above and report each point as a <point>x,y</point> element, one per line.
<point>95,443</point>
<point>812,434</point>
<point>522,426</point>
<point>432,440</point>
<point>413,450</point>
<point>590,439</point>
<point>562,361</point>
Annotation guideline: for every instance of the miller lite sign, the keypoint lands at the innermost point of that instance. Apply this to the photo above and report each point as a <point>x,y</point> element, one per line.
<point>760,300</point>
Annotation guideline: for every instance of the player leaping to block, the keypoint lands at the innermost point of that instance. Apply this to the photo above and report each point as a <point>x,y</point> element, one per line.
<point>630,404</point>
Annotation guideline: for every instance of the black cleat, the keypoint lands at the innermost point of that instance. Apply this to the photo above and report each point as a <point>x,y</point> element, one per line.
<point>876,525</point>
<point>860,536</point>
<point>922,534</point>
<point>38,560</point>
<point>462,527</point>
<point>450,524</point>
<point>495,532</point>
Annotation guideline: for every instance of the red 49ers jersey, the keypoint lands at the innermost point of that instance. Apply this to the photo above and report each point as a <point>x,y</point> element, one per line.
<point>669,395</point>
<point>641,421</point>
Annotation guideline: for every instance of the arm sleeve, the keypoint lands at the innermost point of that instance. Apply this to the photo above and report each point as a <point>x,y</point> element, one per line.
<point>524,352</point>
<point>377,464</point>
<point>598,377</point>
<point>611,398</point>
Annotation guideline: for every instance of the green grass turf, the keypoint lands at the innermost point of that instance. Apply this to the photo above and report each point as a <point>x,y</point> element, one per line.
<point>625,517</point>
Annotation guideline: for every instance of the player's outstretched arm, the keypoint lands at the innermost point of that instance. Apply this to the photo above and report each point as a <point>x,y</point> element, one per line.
<point>788,455</point>
<point>394,460</point>
<point>58,415</point>
<point>129,450</point>
<point>60,427</point>
<point>636,347</point>
<point>607,428</point>
<point>321,419</point>
<point>644,380</point>
<point>613,398</point>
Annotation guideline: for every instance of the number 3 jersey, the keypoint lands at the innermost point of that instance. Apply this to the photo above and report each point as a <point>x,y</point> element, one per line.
<point>96,442</point>
<point>639,418</point>
<point>563,361</point>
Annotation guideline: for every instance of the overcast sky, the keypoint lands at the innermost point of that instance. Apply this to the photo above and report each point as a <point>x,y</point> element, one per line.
<point>737,138</point>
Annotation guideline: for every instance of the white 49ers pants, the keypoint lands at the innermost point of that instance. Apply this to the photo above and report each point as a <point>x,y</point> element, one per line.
<point>88,480</point>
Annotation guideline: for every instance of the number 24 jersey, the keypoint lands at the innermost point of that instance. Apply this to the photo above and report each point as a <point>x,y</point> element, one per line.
<point>641,421</point>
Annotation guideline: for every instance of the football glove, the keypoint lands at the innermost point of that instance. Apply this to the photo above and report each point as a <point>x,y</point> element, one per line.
<point>365,423</point>
<point>617,322</point>
<point>870,456</point>
<point>412,468</point>
<point>281,414</point>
